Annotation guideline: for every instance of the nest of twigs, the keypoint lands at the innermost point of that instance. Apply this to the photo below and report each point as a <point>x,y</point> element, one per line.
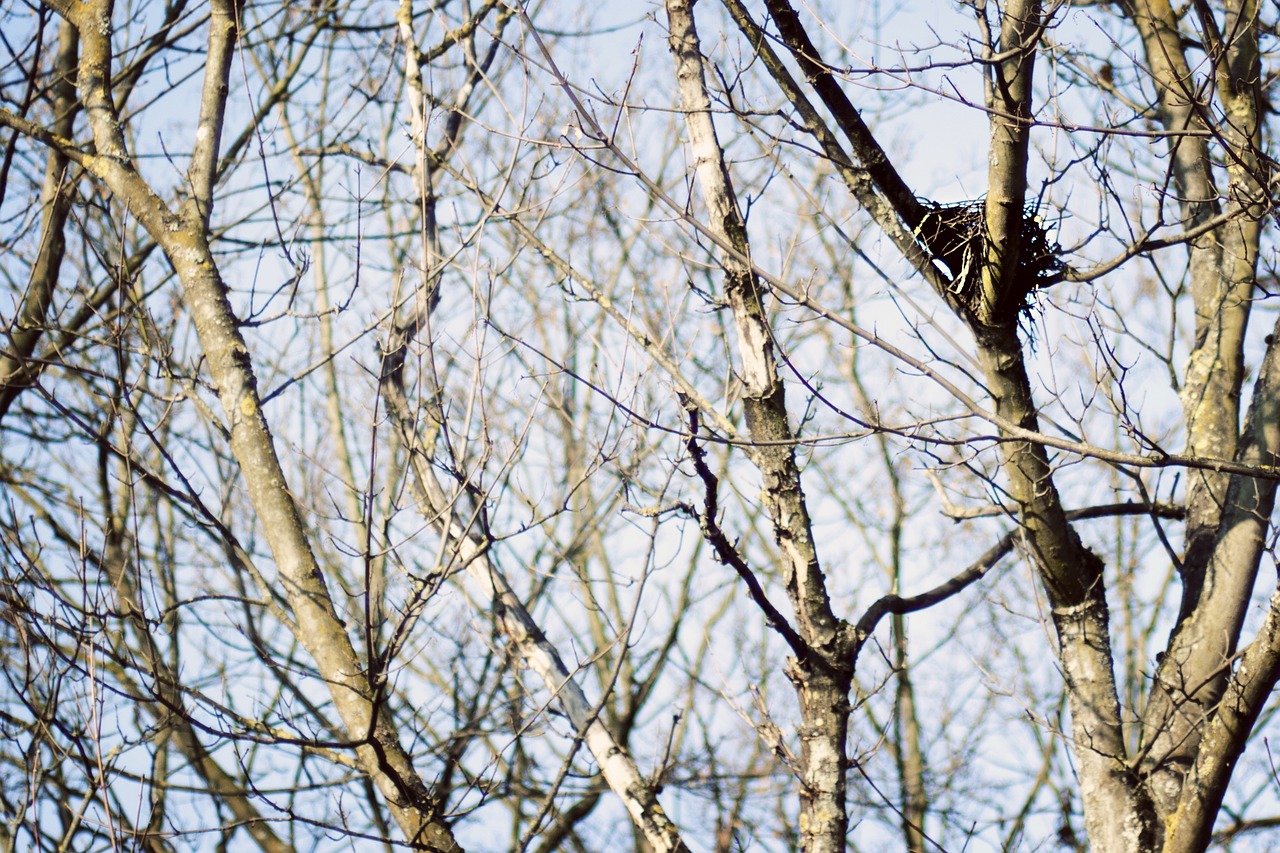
<point>956,235</point>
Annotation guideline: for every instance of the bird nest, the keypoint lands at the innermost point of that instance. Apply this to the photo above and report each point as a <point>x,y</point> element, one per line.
<point>956,236</point>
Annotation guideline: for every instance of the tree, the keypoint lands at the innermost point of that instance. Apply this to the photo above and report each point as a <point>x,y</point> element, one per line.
<point>467,426</point>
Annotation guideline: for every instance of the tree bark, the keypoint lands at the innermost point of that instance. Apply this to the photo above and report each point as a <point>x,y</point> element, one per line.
<point>183,238</point>
<point>824,674</point>
<point>1219,563</point>
<point>471,552</point>
<point>1118,814</point>
<point>16,368</point>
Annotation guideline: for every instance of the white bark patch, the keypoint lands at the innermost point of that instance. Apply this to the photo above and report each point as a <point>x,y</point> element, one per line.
<point>757,368</point>
<point>824,764</point>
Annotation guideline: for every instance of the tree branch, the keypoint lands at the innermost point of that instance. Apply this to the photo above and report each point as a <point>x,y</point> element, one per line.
<point>898,604</point>
<point>725,549</point>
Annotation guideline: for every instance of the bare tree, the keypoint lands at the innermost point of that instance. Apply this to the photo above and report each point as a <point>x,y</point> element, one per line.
<point>468,425</point>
